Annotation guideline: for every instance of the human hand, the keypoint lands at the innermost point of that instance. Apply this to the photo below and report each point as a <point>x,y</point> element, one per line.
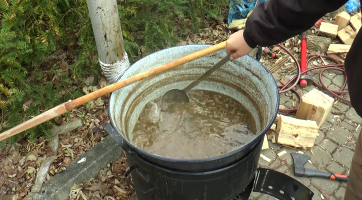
<point>237,43</point>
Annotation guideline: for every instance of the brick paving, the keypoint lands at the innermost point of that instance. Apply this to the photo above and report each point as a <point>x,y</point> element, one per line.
<point>333,150</point>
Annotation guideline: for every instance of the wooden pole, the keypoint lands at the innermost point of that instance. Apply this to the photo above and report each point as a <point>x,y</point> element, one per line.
<point>65,107</point>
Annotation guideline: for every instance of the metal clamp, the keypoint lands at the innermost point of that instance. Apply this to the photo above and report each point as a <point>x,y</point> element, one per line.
<point>128,172</point>
<point>280,185</point>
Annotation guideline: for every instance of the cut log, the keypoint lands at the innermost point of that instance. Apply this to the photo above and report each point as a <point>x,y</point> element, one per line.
<point>336,57</point>
<point>271,133</point>
<point>237,24</point>
<point>328,29</point>
<point>265,158</point>
<point>282,153</point>
<point>316,106</point>
<point>338,48</point>
<point>317,44</point>
<point>342,20</point>
<point>356,22</point>
<point>265,143</point>
<point>347,35</point>
<point>296,132</point>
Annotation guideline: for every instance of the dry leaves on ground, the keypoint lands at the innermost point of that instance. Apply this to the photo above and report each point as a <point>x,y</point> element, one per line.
<point>109,184</point>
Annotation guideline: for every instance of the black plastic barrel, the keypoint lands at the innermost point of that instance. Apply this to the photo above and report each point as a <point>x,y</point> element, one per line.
<point>154,182</point>
<point>219,177</point>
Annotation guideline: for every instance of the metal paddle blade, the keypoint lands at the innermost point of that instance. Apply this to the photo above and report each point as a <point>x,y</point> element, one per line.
<point>174,96</point>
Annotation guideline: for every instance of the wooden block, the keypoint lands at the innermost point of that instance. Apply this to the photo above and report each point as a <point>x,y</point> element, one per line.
<point>265,158</point>
<point>316,106</point>
<point>296,132</point>
<point>328,29</point>
<point>336,57</point>
<point>237,24</point>
<point>265,143</point>
<point>356,22</point>
<point>338,48</point>
<point>342,20</point>
<point>347,35</point>
<point>282,153</point>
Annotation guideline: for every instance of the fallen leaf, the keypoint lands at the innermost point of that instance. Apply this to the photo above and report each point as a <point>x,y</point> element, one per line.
<point>49,151</point>
<point>31,156</point>
<point>117,168</point>
<point>16,157</point>
<point>67,160</point>
<point>119,190</point>
<point>89,81</point>
<point>103,83</point>
<point>15,197</point>
<point>31,170</point>
<point>95,187</point>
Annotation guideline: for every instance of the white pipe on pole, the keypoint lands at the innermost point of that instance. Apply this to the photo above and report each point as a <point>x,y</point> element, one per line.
<point>108,35</point>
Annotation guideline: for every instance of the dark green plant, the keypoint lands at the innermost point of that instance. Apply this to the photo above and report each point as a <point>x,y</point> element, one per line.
<point>32,30</point>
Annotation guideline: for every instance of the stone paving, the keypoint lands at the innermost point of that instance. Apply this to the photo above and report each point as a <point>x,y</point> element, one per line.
<point>333,150</point>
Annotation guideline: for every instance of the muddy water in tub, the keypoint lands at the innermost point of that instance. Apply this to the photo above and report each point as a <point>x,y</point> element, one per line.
<point>210,125</point>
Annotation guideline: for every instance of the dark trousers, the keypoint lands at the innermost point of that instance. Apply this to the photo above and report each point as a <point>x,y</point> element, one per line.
<point>354,185</point>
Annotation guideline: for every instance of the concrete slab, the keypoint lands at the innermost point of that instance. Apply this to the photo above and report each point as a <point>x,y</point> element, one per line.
<point>342,106</point>
<point>268,153</point>
<point>325,184</point>
<point>348,126</point>
<point>254,196</point>
<point>344,156</point>
<point>287,156</point>
<point>338,80</point>
<point>340,193</point>
<point>97,158</point>
<point>319,138</point>
<point>280,168</point>
<point>335,168</point>
<point>338,134</point>
<point>325,126</point>
<point>331,118</point>
<point>333,87</point>
<point>353,116</point>
<point>317,193</point>
<point>325,80</point>
<point>328,145</point>
<point>266,197</point>
<point>320,158</point>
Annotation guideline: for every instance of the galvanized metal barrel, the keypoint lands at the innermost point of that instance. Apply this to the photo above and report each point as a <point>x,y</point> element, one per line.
<point>243,79</point>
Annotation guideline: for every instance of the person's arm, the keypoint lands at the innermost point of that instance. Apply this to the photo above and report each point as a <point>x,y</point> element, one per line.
<point>275,21</point>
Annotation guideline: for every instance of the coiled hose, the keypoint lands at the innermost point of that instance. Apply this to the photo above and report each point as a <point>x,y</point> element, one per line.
<point>294,81</point>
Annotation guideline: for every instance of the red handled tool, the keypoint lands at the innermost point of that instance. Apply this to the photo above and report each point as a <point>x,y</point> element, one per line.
<point>303,58</point>
<point>299,170</point>
<point>270,53</point>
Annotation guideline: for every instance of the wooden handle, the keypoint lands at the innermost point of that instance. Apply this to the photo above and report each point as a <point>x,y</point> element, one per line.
<point>65,107</point>
<point>45,116</point>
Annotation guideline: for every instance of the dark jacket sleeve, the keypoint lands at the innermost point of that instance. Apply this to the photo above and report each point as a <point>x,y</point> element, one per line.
<point>275,21</point>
